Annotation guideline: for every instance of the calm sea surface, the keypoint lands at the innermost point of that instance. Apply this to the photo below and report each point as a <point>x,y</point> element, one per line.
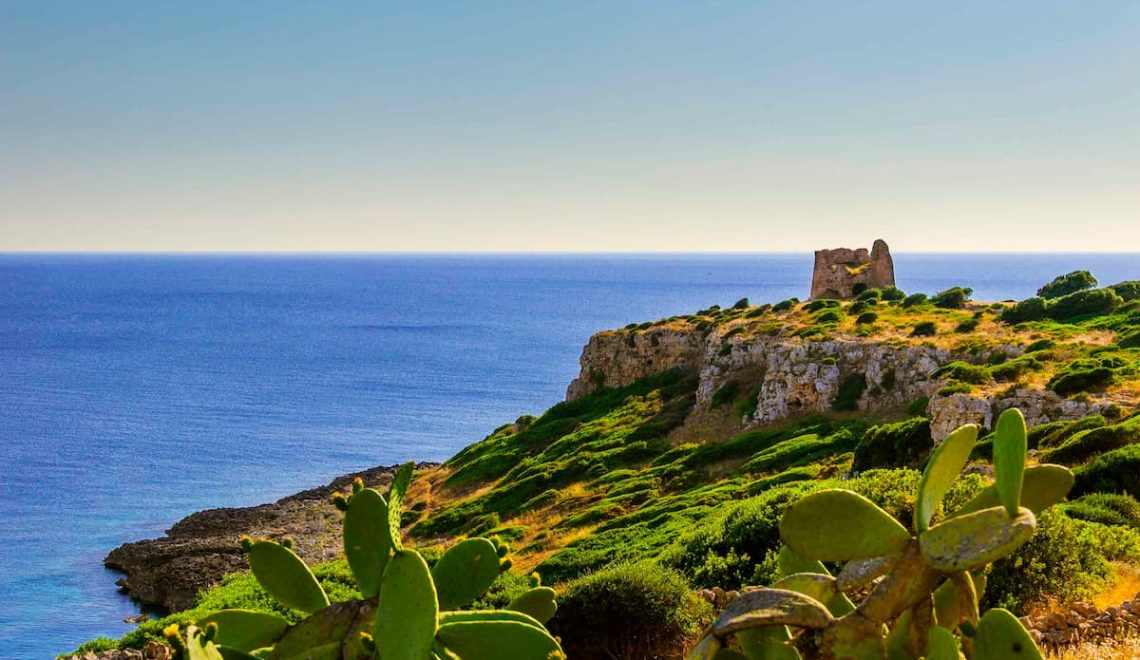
<point>136,390</point>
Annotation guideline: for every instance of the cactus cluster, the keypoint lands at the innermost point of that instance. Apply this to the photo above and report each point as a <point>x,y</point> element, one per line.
<point>920,591</point>
<point>408,611</point>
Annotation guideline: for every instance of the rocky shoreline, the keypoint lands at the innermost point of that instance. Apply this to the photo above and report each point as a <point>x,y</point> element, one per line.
<point>197,551</point>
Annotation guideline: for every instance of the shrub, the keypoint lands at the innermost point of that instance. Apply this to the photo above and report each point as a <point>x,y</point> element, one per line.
<point>828,316</point>
<point>1106,509</point>
<point>822,303</point>
<point>1016,368</point>
<point>870,295</point>
<point>1114,472</point>
<point>914,299</point>
<point>1127,290</point>
<point>1095,302</point>
<point>1061,559</point>
<point>857,308</point>
<point>1078,280</point>
<point>1129,340</point>
<point>904,444</point>
<point>955,388</point>
<point>969,325</point>
<point>892,294</point>
<point>741,304</point>
<point>952,298</point>
<point>1030,309</point>
<point>850,389</point>
<point>1040,345</point>
<point>965,372</point>
<point>866,318</point>
<point>1081,379</point>
<point>630,611</point>
<point>924,329</point>
<point>918,406</point>
<point>1086,444</point>
<point>785,305</point>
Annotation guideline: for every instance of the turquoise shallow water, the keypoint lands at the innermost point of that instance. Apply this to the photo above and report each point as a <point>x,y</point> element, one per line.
<point>135,390</point>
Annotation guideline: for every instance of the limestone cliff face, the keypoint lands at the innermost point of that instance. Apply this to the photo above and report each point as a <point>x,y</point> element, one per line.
<point>793,376</point>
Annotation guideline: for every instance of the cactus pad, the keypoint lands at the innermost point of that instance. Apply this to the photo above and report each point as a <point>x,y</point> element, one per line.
<point>407,614</point>
<point>941,644</point>
<point>768,607</point>
<point>705,649</point>
<point>861,572</point>
<point>1002,637</point>
<point>498,640</point>
<point>333,632</point>
<point>1042,486</point>
<point>246,630</point>
<point>488,615</point>
<point>1009,458</point>
<point>282,573</point>
<point>537,602</point>
<point>839,525</point>
<point>789,563</point>
<point>941,471</point>
<point>367,543</point>
<point>396,494</point>
<point>819,587</point>
<point>464,572</point>
<point>976,539</point>
<point>767,643</point>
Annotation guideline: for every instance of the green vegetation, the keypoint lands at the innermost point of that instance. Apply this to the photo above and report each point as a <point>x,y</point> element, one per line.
<point>629,611</point>
<point>904,444</point>
<point>1063,285</point>
<point>952,298</point>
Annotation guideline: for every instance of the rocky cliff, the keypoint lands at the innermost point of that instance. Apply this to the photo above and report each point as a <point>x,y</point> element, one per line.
<point>790,376</point>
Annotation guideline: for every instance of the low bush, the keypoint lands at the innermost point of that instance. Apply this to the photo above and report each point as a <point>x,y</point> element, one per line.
<point>629,612</point>
<point>741,304</point>
<point>1016,368</point>
<point>914,299</point>
<point>828,316</point>
<point>1030,309</point>
<point>823,303</point>
<point>969,325</point>
<point>1128,291</point>
<point>918,406</point>
<point>1082,378</point>
<point>1063,559</point>
<point>1095,302</point>
<point>1129,340</point>
<point>904,444</point>
<point>1078,280</point>
<point>1113,472</point>
<point>965,372</point>
<point>1086,444</point>
<point>893,294</point>
<point>955,388</point>
<point>1107,509</point>
<point>850,389</point>
<point>785,305</point>
<point>866,318</point>
<point>870,295</point>
<point>952,298</point>
<point>924,329</point>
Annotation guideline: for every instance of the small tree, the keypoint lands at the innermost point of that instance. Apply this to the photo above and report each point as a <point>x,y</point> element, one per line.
<point>1078,280</point>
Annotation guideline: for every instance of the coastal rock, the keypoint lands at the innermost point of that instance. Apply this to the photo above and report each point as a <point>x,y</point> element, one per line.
<point>616,359</point>
<point>203,547</point>
<point>1039,406</point>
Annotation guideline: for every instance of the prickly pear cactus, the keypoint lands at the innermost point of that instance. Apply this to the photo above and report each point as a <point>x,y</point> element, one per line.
<point>922,588</point>
<point>409,612</point>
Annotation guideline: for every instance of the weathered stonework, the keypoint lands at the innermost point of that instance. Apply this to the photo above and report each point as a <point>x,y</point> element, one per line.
<point>844,273</point>
<point>1039,406</point>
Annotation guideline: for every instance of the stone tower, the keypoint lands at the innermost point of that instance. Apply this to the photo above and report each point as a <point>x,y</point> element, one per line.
<point>845,273</point>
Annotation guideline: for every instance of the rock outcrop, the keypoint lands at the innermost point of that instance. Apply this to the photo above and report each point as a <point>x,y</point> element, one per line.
<point>844,273</point>
<point>1084,623</point>
<point>201,548</point>
<point>794,376</point>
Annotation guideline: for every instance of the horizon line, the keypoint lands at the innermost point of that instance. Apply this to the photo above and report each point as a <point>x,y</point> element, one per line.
<point>516,253</point>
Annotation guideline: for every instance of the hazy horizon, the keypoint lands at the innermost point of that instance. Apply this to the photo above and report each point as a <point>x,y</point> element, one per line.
<point>582,127</point>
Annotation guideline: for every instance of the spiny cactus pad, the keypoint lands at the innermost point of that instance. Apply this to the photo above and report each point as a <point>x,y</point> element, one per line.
<point>839,525</point>
<point>768,643</point>
<point>941,471</point>
<point>1002,637</point>
<point>768,607</point>
<point>498,640</point>
<point>246,630</point>
<point>408,612</point>
<point>976,539</point>
<point>789,563</point>
<point>537,602</point>
<point>1042,486</point>
<point>396,493</point>
<point>464,572</point>
<point>941,644</point>
<point>1009,458</point>
<point>282,573</point>
<point>861,572</point>
<point>333,632</point>
<point>819,587</point>
<point>466,616</point>
<point>367,542</point>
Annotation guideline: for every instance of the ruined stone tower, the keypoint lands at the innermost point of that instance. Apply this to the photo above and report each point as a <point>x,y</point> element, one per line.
<point>845,273</point>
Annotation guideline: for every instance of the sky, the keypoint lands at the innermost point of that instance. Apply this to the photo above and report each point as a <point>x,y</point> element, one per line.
<point>569,126</point>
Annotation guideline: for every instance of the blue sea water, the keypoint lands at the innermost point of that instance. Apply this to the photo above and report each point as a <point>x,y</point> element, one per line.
<point>135,390</point>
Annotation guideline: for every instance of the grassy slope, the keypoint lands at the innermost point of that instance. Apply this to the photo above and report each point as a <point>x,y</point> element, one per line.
<point>616,475</point>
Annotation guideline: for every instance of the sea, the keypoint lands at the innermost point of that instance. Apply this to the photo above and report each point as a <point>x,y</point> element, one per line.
<point>135,390</point>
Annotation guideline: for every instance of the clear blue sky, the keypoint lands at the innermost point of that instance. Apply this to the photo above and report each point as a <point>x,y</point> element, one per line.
<point>578,126</point>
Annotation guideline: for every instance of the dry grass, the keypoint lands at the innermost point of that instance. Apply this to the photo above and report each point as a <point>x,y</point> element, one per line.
<point>1125,587</point>
<point>1125,649</point>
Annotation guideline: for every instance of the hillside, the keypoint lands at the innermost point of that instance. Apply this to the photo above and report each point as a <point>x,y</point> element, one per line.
<point>682,441</point>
